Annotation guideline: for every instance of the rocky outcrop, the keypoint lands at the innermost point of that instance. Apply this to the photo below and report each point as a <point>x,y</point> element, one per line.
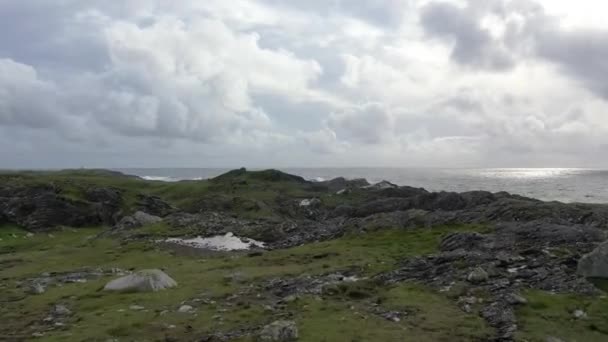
<point>595,264</point>
<point>108,202</point>
<point>142,281</point>
<point>513,256</point>
<point>43,207</point>
<point>153,205</point>
<point>279,331</point>
<point>138,219</point>
<point>243,174</point>
<point>341,184</point>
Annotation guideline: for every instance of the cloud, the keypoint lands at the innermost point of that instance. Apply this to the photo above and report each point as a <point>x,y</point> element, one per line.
<point>168,79</point>
<point>249,82</point>
<point>370,123</point>
<point>581,54</point>
<point>473,45</point>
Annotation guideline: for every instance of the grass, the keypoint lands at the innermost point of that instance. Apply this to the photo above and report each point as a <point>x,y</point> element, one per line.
<point>100,315</point>
<point>549,314</point>
<point>431,317</point>
<point>249,195</point>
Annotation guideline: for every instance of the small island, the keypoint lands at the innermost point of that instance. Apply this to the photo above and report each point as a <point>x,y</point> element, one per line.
<point>269,256</point>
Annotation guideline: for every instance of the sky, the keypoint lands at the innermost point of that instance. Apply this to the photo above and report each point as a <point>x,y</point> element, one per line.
<point>303,83</point>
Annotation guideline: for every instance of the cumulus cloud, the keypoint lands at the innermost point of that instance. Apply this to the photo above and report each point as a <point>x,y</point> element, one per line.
<point>473,44</point>
<point>370,123</point>
<point>292,83</point>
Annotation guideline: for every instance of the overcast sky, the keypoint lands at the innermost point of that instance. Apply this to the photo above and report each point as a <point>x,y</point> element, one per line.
<point>275,83</point>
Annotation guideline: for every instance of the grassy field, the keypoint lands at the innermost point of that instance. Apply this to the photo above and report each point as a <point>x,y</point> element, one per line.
<point>100,315</point>
<point>205,283</point>
<point>229,291</point>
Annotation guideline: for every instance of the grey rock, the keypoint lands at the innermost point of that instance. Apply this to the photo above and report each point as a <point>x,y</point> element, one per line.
<point>279,331</point>
<point>467,241</point>
<point>61,310</point>
<point>185,309</point>
<point>515,299</point>
<point>142,281</point>
<point>153,205</point>
<point>382,185</point>
<point>579,314</point>
<point>138,219</point>
<point>37,288</point>
<point>595,264</point>
<point>478,276</point>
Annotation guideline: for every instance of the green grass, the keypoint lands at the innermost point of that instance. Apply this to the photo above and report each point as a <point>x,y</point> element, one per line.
<point>549,314</point>
<point>101,315</point>
<point>252,195</point>
<point>431,317</point>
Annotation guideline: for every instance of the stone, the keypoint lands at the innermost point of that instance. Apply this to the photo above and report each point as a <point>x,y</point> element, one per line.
<point>61,310</point>
<point>382,186</point>
<point>136,307</point>
<point>279,331</point>
<point>314,202</point>
<point>37,288</point>
<point>515,299</point>
<point>579,314</point>
<point>185,309</point>
<point>553,339</point>
<point>142,281</point>
<point>38,208</point>
<point>478,276</point>
<point>290,299</point>
<point>153,205</point>
<point>595,264</point>
<point>138,219</point>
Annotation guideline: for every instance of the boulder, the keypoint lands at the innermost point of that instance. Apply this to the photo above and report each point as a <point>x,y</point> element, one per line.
<point>61,310</point>
<point>382,186</point>
<point>478,276</point>
<point>595,264</point>
<point>185,309</point>
<point>139,219</point>
<point>279,331</point>
<point>142,281</point>
<point>153,205</point>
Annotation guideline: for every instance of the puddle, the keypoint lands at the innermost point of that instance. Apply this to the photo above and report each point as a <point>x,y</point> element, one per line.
<point>228,242</point>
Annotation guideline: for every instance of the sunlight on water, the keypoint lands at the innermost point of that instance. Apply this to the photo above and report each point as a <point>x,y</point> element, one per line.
<point>528,173</point>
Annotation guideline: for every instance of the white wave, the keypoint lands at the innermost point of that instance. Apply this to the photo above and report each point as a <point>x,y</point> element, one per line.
<point>318,179</point>
<point>160,178</point>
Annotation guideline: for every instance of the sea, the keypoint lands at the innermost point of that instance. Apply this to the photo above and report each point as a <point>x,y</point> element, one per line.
<point>550,184</point>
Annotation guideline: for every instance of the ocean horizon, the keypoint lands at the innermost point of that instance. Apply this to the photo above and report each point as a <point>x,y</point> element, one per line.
<point>585,185</point>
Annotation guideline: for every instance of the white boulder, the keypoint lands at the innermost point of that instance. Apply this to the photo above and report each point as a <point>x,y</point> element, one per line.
<point>142,281</point>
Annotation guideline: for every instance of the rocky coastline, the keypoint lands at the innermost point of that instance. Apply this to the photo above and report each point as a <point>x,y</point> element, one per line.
<point>490,251</point>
